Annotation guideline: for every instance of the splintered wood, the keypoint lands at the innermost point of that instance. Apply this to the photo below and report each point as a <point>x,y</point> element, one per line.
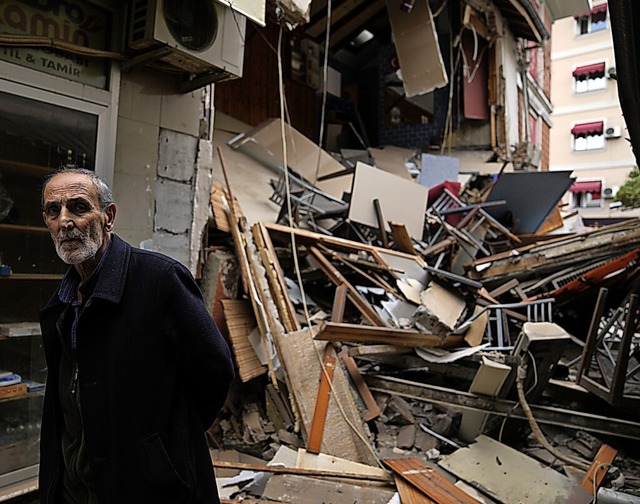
<point>241,322</point>
<point>435,486</point>
<point>343,437</point>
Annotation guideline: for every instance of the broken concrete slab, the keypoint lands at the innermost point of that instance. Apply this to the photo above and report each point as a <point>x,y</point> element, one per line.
<point>498,469</point>
<point>305,490</point>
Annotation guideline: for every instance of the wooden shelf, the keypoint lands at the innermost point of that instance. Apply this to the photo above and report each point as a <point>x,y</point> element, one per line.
<point>26,168</point>
<point>23,229</point>
<point>32,276</point>
<point>28,395</point>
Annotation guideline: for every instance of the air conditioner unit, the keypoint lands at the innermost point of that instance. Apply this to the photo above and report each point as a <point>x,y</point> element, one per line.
<point>612,132</point>
<point>197,36</point>
<point>610,192</point>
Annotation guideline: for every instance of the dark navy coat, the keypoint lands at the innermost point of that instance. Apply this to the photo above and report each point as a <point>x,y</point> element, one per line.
<point>153,372</point>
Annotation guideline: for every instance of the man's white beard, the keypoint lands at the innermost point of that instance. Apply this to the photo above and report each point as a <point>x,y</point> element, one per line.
<point>91,243</point>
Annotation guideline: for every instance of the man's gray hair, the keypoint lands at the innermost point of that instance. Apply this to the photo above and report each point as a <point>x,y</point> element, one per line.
<point>105,196</point>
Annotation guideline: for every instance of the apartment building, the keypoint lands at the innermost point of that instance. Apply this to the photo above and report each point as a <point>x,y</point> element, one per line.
<point>589,134</point>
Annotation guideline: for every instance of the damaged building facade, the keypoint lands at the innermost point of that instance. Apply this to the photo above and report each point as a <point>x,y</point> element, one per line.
<point>379,315</point>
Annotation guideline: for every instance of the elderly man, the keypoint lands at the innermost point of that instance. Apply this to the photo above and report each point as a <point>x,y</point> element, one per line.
<point>137,369</point>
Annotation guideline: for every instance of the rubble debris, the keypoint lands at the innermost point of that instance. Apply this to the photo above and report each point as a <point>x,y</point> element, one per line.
<point>458,354</point>
<point>495,468</point>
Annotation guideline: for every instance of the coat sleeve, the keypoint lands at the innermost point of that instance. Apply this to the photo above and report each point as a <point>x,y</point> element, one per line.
<point>204,359</point>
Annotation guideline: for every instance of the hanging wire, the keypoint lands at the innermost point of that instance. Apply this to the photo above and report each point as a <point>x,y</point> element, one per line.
<point>294,248</point>
<point>325,87</point>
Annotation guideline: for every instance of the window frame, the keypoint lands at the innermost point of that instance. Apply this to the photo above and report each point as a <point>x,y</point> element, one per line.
<point>597,142</point>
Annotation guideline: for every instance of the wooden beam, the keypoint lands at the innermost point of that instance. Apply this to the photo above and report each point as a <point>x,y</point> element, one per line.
<point>401,237</point>
<point>381,226</point>
<point>275,275</point>
<point>239,240</point>
<point>599,468</point>
<point>354,296</point>
<point>429,481</point>
<point>222,464</point>
<point>358,333</point>
<point>314,442</point>
<point>410,494</point>
<point>373,410</point>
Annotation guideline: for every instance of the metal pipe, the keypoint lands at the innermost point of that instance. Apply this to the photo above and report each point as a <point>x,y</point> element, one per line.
<point>608,496</point>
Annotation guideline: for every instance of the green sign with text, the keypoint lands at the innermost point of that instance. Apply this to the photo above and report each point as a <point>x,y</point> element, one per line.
<point>24,23</point>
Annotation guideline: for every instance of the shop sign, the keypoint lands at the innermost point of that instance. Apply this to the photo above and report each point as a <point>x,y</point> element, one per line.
<point>71,21</point>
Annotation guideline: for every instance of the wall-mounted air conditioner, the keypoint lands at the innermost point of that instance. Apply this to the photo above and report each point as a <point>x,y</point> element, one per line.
<point>610,192</point>
<point>612,132</point>
<point>197,36</point>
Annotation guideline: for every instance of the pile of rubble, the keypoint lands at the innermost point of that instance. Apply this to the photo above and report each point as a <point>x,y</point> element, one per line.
<point>474,363</point>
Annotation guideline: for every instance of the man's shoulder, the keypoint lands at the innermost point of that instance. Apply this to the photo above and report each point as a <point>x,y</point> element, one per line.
<point>147,259</point>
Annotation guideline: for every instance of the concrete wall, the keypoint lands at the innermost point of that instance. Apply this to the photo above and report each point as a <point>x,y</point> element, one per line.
<point>159,171</point>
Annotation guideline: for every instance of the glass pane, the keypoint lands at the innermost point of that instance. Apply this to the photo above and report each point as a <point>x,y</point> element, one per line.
<point>36,138</point>
<point>43,134</point>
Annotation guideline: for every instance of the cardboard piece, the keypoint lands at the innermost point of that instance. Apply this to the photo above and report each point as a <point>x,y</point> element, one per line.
<point>392,160</point>
<point>419,54</point>
<point>370,183</point>
<point>264,143</point>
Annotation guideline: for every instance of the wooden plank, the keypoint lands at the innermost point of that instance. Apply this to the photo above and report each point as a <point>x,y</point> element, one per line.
<point>410,494</point>
<point>599,468</point>
<point>338,279</point>
<point>305,237</point>
<point>220,217</point>
<point>365,350</point>
<point>240,321</point>
<point>381,226</point>
<point>373,410</point>
<point>314,442</point>
<point>277,469</point>
<point>429,481</point>
<point>275,276</point>
<point>357,333</point>
<point>239,240</point>
<point>401,238</point>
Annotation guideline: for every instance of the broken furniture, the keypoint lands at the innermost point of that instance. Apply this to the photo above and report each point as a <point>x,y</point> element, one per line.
<point>610,364</point>
<point>470,225</point>
<point>500,319</point>
<point>308,204</point>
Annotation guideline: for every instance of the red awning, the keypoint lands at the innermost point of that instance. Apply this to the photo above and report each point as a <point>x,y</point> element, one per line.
<point>598,9</point>
<point>588,129</point>
<point>589,71</point>
<point>591,186</point>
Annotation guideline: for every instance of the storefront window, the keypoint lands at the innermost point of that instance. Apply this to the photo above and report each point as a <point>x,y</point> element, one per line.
<point>36,138</point>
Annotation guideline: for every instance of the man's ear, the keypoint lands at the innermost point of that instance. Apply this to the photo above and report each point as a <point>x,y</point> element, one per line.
<point>110,216</point>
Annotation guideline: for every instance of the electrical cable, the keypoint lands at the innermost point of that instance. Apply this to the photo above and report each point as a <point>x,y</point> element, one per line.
<point>325,87</point>
<point>294,249</point>
<point>35,41</point>
<point>537,432</point>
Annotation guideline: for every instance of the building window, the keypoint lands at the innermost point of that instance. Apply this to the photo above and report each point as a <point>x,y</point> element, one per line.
<point>594,21</point>
<point>586,194</point>
<point>588,136</point>
<point>590,78</point>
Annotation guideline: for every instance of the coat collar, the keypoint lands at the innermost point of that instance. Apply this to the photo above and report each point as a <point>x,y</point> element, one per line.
<point>110,283</point>
<point>114,271</point>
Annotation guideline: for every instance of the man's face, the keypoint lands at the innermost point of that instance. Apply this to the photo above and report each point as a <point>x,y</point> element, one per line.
<point>73,216</point>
